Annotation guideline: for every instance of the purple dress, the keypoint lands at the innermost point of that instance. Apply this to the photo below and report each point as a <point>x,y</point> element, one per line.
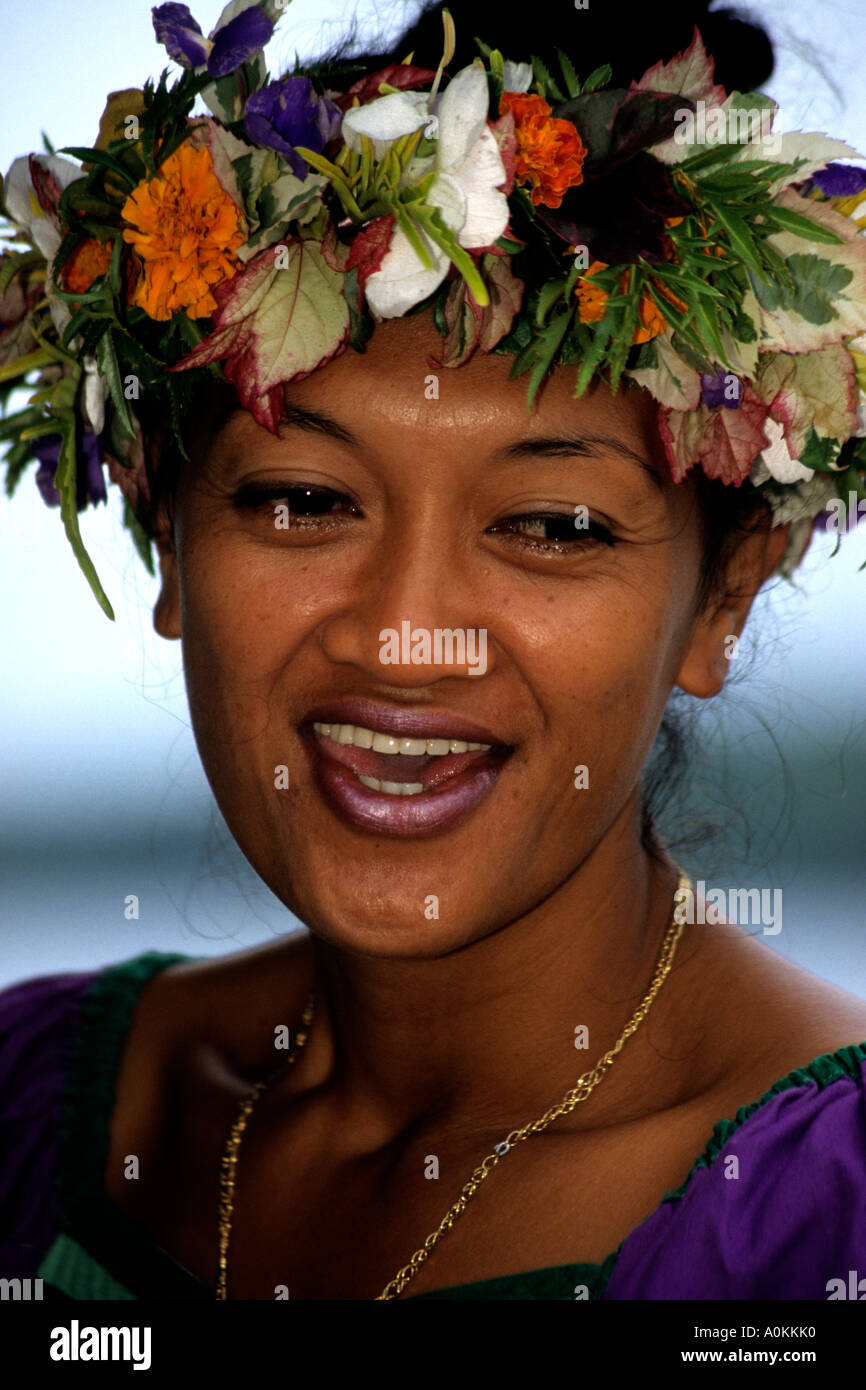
<point>774,1207</point>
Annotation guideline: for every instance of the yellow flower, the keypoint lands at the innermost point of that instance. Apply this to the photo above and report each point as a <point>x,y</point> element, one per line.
<point>186,230</point>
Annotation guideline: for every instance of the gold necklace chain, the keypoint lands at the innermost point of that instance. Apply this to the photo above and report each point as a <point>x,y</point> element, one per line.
<point>584,1088</point>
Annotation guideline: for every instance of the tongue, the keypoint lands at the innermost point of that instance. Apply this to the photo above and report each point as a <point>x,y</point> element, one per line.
<point>426,768</point>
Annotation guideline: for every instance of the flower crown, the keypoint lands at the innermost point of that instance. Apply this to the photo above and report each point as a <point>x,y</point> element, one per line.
<point>663,234</point>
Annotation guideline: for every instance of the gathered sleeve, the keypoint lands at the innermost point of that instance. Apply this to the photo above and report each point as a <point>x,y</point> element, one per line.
<point>38,1018</point>
<point>776,1206</point>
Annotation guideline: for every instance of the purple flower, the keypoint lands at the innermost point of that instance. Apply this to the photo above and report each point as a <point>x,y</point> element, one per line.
<point>289,113</point>
<point>721,388</point>
<point>230,46</point>
<point>90,479</point>
<point>840,180</point>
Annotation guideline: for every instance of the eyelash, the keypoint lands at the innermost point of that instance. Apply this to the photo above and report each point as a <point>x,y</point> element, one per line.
<point>254,497</point>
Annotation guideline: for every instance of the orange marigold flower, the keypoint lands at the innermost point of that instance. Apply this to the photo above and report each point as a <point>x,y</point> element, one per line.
<point>186,230</point>
<point>90,259</point>
<point>549,154</point>
<point>651,321</point>
<point>591,299</point>
<point>669,295</point>
<point>592,303</point>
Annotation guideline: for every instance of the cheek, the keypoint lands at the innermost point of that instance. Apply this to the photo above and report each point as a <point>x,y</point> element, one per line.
<point>599,659</point>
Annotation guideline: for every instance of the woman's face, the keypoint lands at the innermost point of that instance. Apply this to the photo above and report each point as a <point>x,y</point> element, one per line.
<point>430,515</point>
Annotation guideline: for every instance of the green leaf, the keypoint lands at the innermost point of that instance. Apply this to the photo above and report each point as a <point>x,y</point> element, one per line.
<point>549,89</point>
<point>106,359</point>
<point>114,268</point>
<point>569,76</point>
<point>77,322</point>
<point>801,226</point>
<point>101,157</point>
<point>39,357</point>
<point>547,344</point>
<point>596,353</point>
<point>743,328</point>
<point>64,481</point>
<point>597,78</point>
<point>12,425</point>
<point>15,265</point>
<point>817,282</point>
<point>741,239</point>
<point>17,459</point>
<point>819,452</point>
<point>722,153</point>
<point>548,295</point>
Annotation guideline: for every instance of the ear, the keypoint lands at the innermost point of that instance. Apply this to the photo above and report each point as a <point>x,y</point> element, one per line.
<point>718,626</point>
<point>166,610</point>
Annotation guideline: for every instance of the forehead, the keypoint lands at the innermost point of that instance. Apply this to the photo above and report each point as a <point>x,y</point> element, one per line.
<point>396,390</point>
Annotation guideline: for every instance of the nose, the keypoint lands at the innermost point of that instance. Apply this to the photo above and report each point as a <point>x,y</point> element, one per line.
<point>414,615</point>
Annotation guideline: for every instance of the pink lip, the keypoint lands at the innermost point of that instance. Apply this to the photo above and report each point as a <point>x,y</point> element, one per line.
<point>451,798</point>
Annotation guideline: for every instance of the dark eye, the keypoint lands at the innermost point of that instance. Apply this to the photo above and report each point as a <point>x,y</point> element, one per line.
<point>556,532</point>
<point>304,501</point>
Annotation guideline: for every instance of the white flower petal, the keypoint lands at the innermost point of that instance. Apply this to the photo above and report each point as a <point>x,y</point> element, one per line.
<point>462,117</point>
<point>486,205</point>
<point>517,77</point>
<point>23,205</point>
<point>446,194</point>
<point>776,459</point>
<point>401,280</point>
<point>384,120</point>
<point>95,392</point>
<point>61,314</point>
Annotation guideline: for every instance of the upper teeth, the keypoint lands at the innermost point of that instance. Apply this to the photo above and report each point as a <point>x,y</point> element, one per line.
<point>384,743</point>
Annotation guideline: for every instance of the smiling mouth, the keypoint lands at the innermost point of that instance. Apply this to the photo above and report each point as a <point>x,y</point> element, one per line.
<point>395,765</point>
<point>401,785</point>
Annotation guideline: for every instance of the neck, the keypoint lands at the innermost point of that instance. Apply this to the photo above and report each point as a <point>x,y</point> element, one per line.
<point>485,1037</point>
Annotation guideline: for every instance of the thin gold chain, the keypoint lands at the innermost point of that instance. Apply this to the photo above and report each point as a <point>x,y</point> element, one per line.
<point>584,1088</point>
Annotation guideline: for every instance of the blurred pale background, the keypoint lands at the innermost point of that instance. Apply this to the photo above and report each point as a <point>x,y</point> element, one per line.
<point>101,790</point>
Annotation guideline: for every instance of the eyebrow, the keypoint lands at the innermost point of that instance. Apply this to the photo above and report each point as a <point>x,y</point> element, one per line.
<point>587,444</point>
<point>317,422</point>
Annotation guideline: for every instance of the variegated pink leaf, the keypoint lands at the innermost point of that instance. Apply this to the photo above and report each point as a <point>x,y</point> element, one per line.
<point>277,321</point>
<point>724,442</point>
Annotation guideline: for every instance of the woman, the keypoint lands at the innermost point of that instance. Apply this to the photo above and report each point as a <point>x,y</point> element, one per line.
<point>487,921</point>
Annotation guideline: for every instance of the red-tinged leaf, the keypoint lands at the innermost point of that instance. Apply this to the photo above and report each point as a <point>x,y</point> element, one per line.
<point>724,442</point>
<point>277,321</point>
<point>370,247</point>
<point>404,76</point>
<point>266,408</point>
<point>811,390</point>
<point>469,326</point>
<point>690,74</point>
<point>506,297</point>
<point>335,251</point>
<point>671,381</point>
<point>463,321</point>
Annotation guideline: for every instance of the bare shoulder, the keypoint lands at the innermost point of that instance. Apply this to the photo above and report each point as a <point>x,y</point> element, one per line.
<point>230,1004</point>
<point>773,1016</point>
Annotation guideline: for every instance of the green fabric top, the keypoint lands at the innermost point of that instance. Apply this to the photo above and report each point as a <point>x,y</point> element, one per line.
<point>101,1254</point>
